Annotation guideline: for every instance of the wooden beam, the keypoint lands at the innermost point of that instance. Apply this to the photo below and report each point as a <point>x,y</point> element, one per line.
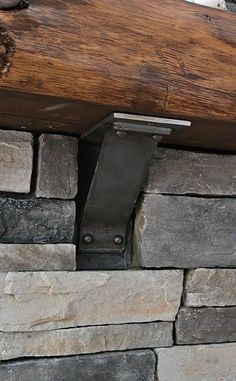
<point>77,61</point>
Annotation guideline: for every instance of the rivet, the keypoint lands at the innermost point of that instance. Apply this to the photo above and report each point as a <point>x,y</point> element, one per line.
<point>121,134</point>
<point>118,240</point>
<point>87,238</point>
<point>156,137</point>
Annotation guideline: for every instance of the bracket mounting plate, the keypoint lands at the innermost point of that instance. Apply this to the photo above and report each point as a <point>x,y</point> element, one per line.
<point>123,145</point>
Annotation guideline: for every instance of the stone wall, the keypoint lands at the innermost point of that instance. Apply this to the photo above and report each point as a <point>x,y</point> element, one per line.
<point>170,317</point>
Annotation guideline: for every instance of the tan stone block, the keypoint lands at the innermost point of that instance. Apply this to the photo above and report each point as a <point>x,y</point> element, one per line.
<point>64,342</point>
<point>16,161</point>
<point>37,257</point>
<point>51,300</point>
<point>210,287</point>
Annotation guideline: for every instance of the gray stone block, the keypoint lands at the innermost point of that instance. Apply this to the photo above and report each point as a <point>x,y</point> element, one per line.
<point>57,167</point>
<point>84,340</point>
<point>36,221</point>
<point>128,366</point>
<point>231,6</point>
<point>36,257</point>
<point>206,325</point>
<point>210,287</point>
<point>215,362</point>
<point>16,161</point>
<point>185,232</point>
<point>187,172</point>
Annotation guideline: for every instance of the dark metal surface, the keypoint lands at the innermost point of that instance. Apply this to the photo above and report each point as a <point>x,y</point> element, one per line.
<point>139,123</point>
<point>122,167</point>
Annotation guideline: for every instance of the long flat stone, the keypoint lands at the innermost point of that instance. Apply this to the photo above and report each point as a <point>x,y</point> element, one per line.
<point>210,287</point>
<point>206,325</point>
<point>37,257</point>
<point>16,161</point>
<point>57,166</point>
<point>214,362</point>
<point>36,221</point>
<point>121,366</point>
<point>73,341</point>
<point>50,300</point>
<point>185,232</point>
<point>186,172</point>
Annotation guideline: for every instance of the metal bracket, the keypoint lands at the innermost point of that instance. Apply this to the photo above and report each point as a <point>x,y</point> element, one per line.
<point>118,150</point>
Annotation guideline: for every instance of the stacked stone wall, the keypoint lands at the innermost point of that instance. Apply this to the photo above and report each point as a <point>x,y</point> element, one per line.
<point>170,317</point>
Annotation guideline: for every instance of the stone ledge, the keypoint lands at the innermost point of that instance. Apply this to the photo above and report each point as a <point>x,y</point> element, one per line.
<point>186,172</point>
<point>128,366</point>
<point>210,287</point>
<point>16,161</point>
<point>85,340</point>
<point>51,300</point>
<point>214,362</point>
<point>206,325</point>
<point>36,257</point>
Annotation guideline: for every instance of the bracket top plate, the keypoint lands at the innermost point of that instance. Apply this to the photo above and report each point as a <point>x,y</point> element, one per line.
<point>136,124</point>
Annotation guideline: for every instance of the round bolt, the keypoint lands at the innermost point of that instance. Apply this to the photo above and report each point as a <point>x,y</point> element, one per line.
<point>121,134</point>
<point>118,240</point>
<point>156,138</point>
<point>87,238</point>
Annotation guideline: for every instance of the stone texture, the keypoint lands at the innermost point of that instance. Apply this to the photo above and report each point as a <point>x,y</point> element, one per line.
<point>36,221</point>
<point>64,342</point>
<point>57,167</point>
<point>16,161</point>
<point>214,362</point>
<point>215,287</point>
<point>185,232</point>
<point>206,325</point>
<point>231,6</point>
<point>50,300</point>
<point>35,257</point>
<point>187,172</point>
<point>128,366</point>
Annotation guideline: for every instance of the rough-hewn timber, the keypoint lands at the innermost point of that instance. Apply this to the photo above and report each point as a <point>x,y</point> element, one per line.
<point>76,62</point>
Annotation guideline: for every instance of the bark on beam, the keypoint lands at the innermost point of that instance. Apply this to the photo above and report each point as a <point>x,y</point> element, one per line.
<point>77,61</point>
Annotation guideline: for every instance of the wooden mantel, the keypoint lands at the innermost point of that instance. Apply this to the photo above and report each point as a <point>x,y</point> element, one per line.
<point>76,61</point>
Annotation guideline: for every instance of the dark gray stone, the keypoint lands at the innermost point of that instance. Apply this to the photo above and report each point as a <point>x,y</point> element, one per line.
<point>206,325</point>
<point>187,172</point>
<point>126,366</point>
<point>185,232</point>
<point>36,221</point>
<point>57,167</point>
<point>231,5</point>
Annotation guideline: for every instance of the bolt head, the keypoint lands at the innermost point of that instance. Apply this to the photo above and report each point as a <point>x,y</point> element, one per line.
<point>118,240</point>
<point>87,238</point>
<point>121,134</point>
<point>156,138</point>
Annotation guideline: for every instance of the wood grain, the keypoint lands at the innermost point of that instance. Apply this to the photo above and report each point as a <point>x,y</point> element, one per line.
<point>77,61</point>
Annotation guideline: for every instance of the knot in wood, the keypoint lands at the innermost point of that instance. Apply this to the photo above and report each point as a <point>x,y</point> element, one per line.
<point>13,4</point>
<point>7,50</point>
